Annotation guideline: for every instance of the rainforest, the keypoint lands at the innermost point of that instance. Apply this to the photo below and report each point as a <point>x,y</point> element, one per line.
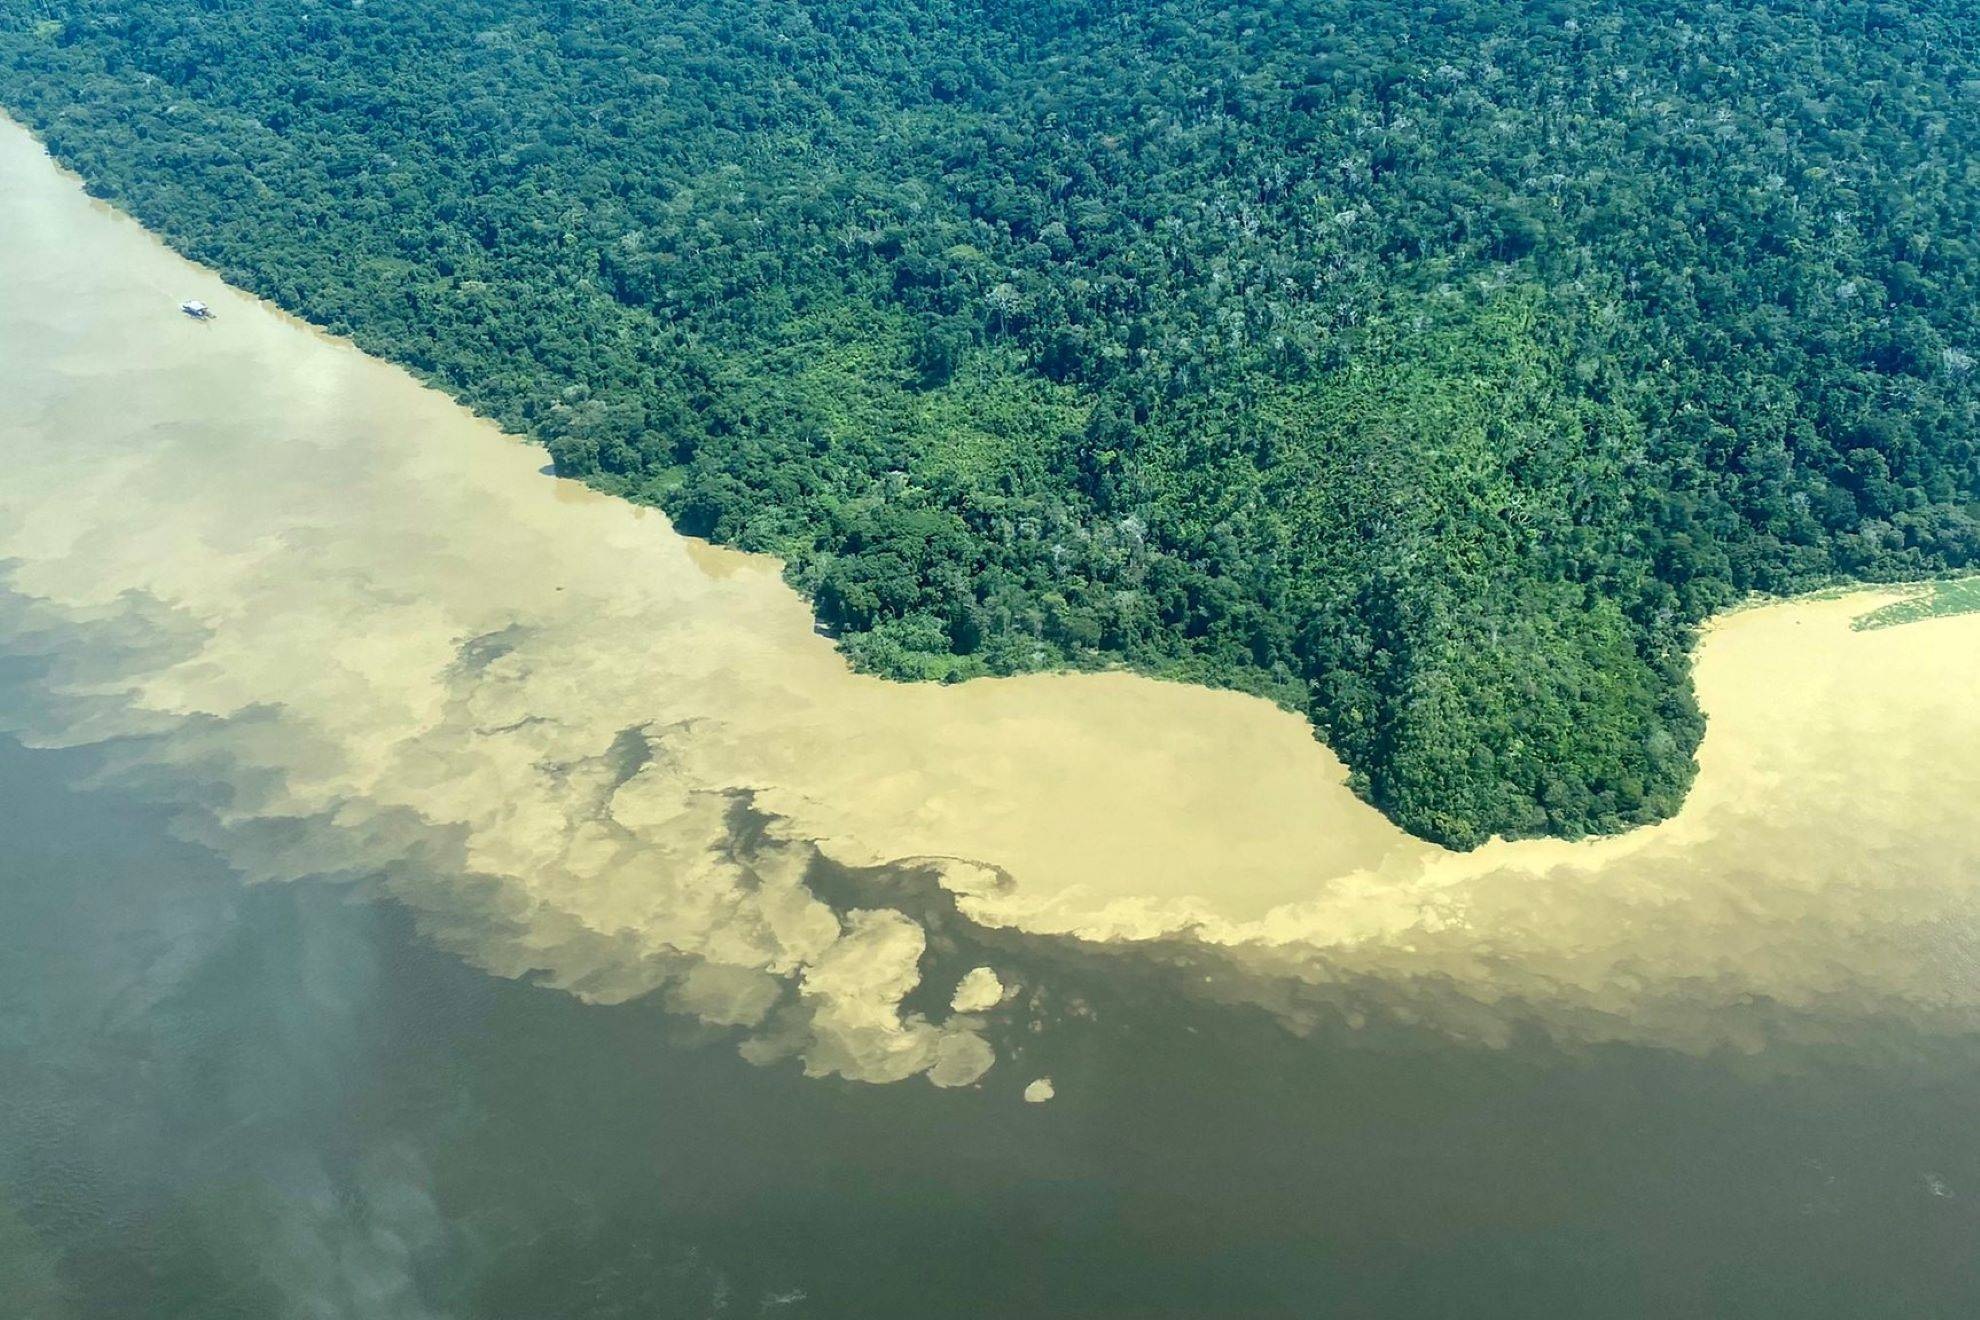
<point>1432,370</point>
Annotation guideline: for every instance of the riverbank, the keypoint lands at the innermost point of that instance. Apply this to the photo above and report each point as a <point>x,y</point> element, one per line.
<point>345,624</point>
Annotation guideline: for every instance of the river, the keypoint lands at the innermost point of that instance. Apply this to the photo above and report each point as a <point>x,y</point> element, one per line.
<point>435,889</point>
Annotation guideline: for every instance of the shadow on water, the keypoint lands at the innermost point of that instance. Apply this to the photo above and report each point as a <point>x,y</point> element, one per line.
<point>229,1101</point>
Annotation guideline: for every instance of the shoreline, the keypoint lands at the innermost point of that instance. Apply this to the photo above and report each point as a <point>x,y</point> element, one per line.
<point>394,631</point>
<point>716,558</point>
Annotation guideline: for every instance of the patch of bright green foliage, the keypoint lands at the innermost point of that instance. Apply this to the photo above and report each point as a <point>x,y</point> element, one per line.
<point>1431,369</point>
<point>1935,600</point>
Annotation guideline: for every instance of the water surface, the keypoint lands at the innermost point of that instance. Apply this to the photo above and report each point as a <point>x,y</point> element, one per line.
<point>228,1100</point>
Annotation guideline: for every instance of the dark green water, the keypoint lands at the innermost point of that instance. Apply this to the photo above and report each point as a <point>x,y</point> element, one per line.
<point>226,1101</point>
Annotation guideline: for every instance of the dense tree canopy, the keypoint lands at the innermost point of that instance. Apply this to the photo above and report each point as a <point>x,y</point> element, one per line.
<point>1430,368</point>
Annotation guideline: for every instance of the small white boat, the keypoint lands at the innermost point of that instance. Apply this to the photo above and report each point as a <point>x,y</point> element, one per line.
<point>196,309</point>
